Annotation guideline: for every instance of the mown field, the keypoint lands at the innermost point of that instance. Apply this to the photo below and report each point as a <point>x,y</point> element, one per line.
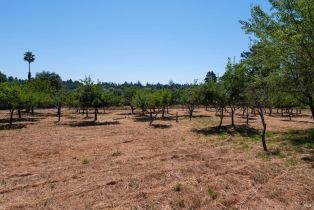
<point>121,162</point>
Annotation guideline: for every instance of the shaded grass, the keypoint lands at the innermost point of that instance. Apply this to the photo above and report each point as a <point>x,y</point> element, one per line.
<point>242,130</point>
<point>160,126</point>
<point>12,127</point>
<point>93,123</point>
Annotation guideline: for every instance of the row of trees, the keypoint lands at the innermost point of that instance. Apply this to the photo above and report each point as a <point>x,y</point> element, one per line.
<point>276,73</point>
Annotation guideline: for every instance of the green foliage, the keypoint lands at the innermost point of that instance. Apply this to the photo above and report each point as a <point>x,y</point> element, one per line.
<point>3,77</point>
<point>210,77</point>
<point>212,193</point>
<point>89,94</point>
<point>287,35</point>
<point>191,96</point>
<point>29,57</point>
<point>53,79</point>
<point>10,95</point>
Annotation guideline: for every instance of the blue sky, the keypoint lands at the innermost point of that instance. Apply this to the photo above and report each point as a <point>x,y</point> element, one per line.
<point>123,40</point>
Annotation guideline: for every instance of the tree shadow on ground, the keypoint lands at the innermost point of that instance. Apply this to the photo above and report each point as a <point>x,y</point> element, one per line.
<point>12,127</point>
<point>92,123</point>
<point>127,113</point>
<point>250,118</point>
<point>145,118</point>
<point>39,114</point>
<point>296,121</point>
<point>304,138</point>
<point>161,126</point>
<point>23,119</point>
<point>142,118</point>
<point>243,130</point>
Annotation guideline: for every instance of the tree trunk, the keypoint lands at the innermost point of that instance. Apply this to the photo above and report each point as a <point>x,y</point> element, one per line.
<point>153,118</point>
<point>11,117</point>
<point>19,113</point>
<point>247,115</point>
<point>261,114</point>
<point>311,104</point>
<point>59,113</point>
<point>167,110</point>
<point>163,113</point>
<point>132,110</point>
<point>86,113</point>
<point>221,116</point>
<point>243,111</point>
<point>177,120</point>
<point>32,108</point>
<point>206,107</point>
<point>270,111</point>
<point>96,111</point>
<point>191,109</point>
<point>232,116</point>
<point>29,71</point>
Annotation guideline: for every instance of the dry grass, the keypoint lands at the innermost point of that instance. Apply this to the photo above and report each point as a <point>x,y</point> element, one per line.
<point>123,163</point>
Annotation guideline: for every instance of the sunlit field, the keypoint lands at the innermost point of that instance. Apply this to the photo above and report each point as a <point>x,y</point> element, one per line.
<point>123,162</point>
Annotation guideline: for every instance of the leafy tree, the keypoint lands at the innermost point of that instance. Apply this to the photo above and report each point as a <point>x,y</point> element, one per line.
<point>52,78</point>
<point>207,93</point>
<point>287,34</point>
<point>210,77</point>
<point>3,77</point>
<point>220,99</point>
<point>191,98</point>
<point>29,57</point>
<point>10,97</point>
<point>90,95</point>
<point>234,84</point>
<point>164,97</point>
<point>141,100</point>
<point>110,98</point>
<point>39,94</point>
<point>262,81</point>
<point>127,96</point>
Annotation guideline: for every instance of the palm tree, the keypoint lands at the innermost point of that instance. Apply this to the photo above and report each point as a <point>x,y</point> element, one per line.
<point>29,57</point>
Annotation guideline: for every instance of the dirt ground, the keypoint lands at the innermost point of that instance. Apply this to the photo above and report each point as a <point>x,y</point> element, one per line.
<point>123,163</point>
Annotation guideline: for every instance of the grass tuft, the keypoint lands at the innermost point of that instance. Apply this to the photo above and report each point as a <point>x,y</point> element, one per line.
<point>85,161</point>
<point>181,203</point>
<point>177,187</point>
<point>212,193</point>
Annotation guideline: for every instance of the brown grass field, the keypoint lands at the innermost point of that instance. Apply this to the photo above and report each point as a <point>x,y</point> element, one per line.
<point>123,163</point>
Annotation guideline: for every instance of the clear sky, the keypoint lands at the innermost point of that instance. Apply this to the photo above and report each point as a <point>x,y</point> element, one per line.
<point>123,40</point>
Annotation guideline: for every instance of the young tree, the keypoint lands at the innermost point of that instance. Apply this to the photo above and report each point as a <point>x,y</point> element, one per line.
<point>90,95</point>
<point>127,96</point>
<point>10,97</point>
<point>164,99</point>
<point>191,98</point>
<point>220,99</point>
<point>141,100</point>
<point>234,84</point>
<point>207,93</point>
